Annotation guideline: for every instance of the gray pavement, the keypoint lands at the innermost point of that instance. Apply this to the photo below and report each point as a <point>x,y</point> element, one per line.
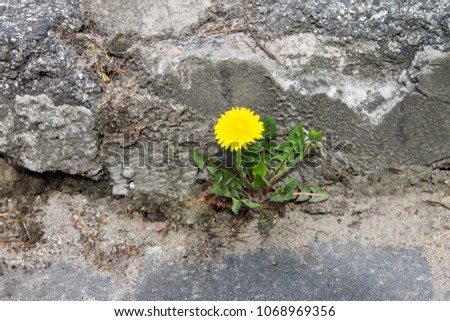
<point>323,272</point>
<point>347,272</point>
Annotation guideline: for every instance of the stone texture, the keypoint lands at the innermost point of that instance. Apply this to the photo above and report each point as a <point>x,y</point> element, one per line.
<point>338,272</point>
<point>433,79</point>
<point>414,115</point>
<point>158,161</point>
<point>36,61</point>
<point>385,21</point>
<point>148,18</point>
<point>325,272</point>
<point>63,282</point>
<point>373,75</point>
<point>354,108</point>
<point>43,137</point>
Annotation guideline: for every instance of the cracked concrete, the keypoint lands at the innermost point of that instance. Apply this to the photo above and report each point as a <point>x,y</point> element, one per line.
<point>88,87</point>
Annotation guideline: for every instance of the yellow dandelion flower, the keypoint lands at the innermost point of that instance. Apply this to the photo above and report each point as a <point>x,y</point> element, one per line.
<point>238,128</point>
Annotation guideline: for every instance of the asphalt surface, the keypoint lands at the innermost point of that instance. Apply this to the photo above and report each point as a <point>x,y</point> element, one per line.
<point>322,272</point>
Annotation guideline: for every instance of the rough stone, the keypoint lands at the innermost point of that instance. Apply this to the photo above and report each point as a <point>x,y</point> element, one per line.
<point>148,18</point>
<point>353,108</point>
<point>414,115</point>
<point>43,137</point>
<point>434,78</point>
<point>346,272</point>
<point>372,75</point>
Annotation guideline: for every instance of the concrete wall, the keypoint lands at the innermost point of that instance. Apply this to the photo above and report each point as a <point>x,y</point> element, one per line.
<point>374,74</point>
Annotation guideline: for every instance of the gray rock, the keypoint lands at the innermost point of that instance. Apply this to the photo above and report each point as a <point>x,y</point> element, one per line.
<point>372,75</point>
<point>43,137</point>
<point>433,80</point>
<point>148,18</point>
<point>309,82</point>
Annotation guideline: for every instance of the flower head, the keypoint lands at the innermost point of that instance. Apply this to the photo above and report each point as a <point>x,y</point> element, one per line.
<point>237,128</point>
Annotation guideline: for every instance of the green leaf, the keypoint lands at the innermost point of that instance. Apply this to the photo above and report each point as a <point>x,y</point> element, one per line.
<point>267,159</point>
<point>303,195</point>
<point>236,206</point>
<point>297,137</point>
<point>218,179</point>
<point>280,197</point>
<point>212,169</point>
<point>228,178</point>
<point>252,155</point>
<point>199,159</point>
<point>260,169</point>
<point>222,191</point>
<point>270,128</point>
<point>284,147</point>
<point>226,183</point>
<point>284,193</point>
<point>256,148</point>
<point>259,183</point>
<point>291,182</point>
<point>250,203</point>
<point>315,135</point>
<point>234,193</point>
<point>318,194</point>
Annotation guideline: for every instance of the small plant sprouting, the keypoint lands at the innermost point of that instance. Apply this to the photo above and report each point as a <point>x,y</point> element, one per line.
<point>258,164</point>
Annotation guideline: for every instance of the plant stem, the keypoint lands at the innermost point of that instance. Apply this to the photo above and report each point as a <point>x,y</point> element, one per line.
<point>284,161</point>
<point>279,174</point>
<point>239,167</point>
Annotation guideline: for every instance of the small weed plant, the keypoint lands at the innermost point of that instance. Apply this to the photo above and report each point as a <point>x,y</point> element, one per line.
<point>254,179</point>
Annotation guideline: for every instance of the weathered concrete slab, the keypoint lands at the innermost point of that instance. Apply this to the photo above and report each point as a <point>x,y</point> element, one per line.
<point>372,75</point>
<point>43,137</point>
<point>326,272</point>
<point>347,272</point>
<point>62,281</point>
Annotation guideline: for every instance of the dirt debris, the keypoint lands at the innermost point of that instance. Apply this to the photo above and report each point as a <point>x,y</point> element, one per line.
<point>383,208</point>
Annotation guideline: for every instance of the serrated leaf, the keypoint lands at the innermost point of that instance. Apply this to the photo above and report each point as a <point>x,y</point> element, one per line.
<point>250,203</point>
<point>318,194</point>
<point>267,160</point>
<point>282,152</point>
<point>312,194</point>
<point>280,198</point>
<point>199,159</point>
<point>270,128</point>
<point>236,206</point>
